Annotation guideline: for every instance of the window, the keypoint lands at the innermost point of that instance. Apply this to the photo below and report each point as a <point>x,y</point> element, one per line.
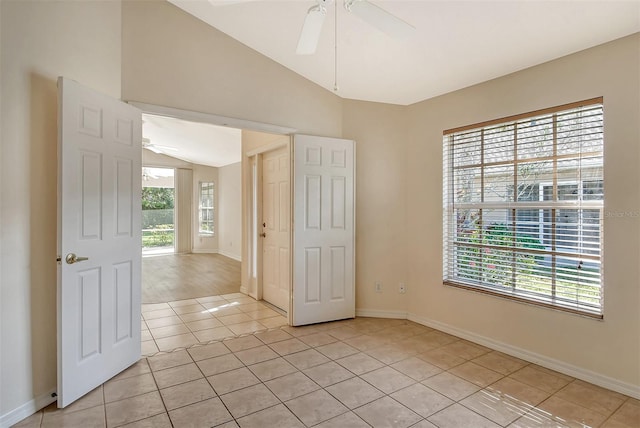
<point>523,200</point>
<point>206,219</point>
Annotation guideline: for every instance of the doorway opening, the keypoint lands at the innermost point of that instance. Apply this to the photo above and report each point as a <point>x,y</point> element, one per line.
<point>192,294</point>
<point>190,211</point>
<point>158,200</point>
<point>269,215</point>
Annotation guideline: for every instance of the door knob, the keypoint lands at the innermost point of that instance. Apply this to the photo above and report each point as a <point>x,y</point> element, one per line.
<point>72,258</point>
<point>263,234</point>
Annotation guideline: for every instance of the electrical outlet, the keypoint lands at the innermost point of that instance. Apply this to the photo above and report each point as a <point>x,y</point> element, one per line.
<point>402,288</point>
<point>378,287</point>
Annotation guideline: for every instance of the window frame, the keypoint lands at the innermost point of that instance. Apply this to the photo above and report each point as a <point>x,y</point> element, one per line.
<point>453,246</point>
<point>209,209</point>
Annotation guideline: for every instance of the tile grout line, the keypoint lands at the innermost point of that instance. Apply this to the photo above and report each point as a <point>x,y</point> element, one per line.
<point>412,353</point>
<point>182,322</point>
<point>104,404</point>
<point>159,393</point>
<point>321,387</point>
<point>210,385</point>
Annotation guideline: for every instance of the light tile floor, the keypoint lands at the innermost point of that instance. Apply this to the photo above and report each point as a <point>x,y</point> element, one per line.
<point>184,323</point>
<point>354,373</point>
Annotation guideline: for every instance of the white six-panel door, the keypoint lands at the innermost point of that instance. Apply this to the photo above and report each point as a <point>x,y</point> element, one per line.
<point>324,229</point>
<point>276,225</point>
<point>98,219</point>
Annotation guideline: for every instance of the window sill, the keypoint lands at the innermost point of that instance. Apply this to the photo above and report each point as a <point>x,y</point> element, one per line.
<point>528,301</point>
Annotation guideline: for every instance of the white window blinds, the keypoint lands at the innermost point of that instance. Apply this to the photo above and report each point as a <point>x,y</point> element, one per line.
<point>523,200</point>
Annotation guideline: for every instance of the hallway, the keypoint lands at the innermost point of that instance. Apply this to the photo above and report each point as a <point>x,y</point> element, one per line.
<point>168,278</point>
<point>194,298</point>
<point>184,323</point>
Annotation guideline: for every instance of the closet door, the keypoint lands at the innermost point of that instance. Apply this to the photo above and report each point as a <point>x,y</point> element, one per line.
<point>324,229</point>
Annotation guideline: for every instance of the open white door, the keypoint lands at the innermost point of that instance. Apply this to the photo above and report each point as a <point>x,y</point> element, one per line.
<point>99,241</point>
<point>324,229</point>
<point>276,225</point>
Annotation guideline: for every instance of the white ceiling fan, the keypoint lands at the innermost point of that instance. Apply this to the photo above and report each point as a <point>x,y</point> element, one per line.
<point>364,9</point>
<point>156,148</point>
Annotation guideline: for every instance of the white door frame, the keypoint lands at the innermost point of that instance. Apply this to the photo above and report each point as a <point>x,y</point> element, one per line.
<point>254,214</point>
<point>247,212</point>
<point>213,119</point>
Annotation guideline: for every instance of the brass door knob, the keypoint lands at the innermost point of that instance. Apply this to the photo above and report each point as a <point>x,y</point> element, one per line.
<point>72,258</point>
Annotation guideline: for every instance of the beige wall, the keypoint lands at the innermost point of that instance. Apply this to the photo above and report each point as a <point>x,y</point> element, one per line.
<point>230,210</point>
<point>170,58</point>
<point>608,351</point>
<point>40,41</point>
<point>380,132</point>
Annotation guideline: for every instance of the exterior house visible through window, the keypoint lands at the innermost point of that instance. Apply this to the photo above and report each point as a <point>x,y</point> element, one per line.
<point>523,207</point>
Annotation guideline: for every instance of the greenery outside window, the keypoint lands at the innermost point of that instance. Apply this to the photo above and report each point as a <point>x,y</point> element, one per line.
<point>158,199</point>
<point>206,208</point>
<point>523,201</point>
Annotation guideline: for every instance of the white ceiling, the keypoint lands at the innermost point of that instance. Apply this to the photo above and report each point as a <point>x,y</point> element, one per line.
<point>456,43</point>
<point>195,142</point>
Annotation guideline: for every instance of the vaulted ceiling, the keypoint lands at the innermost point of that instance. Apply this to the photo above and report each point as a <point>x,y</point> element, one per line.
<point>195,142</point>
<point>455,44</point>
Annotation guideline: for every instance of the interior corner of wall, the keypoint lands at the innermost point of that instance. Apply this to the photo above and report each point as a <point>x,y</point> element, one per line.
<point>27,409</point>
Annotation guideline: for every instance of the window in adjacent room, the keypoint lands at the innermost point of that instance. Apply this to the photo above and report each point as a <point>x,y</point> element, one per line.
<point>523,200</point>
<point>206,219</point>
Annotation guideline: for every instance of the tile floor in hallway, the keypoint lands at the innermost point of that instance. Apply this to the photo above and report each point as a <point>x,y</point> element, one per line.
<point>354,373</point>
<point>183,323</point>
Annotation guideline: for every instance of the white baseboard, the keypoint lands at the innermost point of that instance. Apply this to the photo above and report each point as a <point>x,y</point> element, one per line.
<point>27,409</point>
<point>542,360</point>
<point>230,255</point>
<point>221,252</point>
<point>375,313</point>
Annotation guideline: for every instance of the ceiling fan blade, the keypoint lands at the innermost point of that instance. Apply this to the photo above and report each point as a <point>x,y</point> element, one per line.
<point>156,148</point>
<point>310,34</point>
<point>379,18</point>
